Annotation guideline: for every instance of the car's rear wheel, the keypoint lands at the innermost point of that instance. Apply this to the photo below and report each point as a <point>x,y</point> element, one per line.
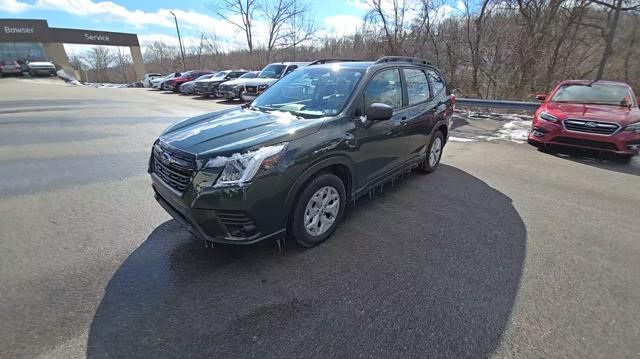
<point>434,153</point>
<point>318,210</point>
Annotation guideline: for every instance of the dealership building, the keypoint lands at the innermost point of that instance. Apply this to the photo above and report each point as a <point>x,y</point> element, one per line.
<point>24,38</point>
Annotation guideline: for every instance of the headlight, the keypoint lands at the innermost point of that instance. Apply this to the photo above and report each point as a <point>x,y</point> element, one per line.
<point>634,127</point>
<point>242,168</point>
<point>548,117</point>
<point>262,87</point>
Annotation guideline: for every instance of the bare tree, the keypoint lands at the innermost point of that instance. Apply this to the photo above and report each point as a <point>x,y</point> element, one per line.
<point>162,55</point>
<point>229,10</point>
<point>100,58</point>
<point>277,14</point>
<point>392,20</point>
<point>474,40</point>
<point>123,61</point>
<point>617,6</point>
<point>297,29</point>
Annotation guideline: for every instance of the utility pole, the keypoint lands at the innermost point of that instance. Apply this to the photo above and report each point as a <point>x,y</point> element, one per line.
<point>184,64</point>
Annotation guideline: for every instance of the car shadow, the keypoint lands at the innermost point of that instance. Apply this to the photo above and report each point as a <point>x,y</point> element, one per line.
<point>604,161</point>
<point>427,268</point>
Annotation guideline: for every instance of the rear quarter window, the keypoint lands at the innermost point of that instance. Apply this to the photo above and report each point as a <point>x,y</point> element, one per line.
<point>435,82</point>
<point>417,85</point>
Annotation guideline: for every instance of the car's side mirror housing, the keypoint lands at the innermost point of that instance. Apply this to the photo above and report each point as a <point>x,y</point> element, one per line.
<point>379,112</point>
<point>541,97</point>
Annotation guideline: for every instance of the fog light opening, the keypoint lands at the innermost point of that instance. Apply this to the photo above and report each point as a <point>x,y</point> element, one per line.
<point>537,132</point>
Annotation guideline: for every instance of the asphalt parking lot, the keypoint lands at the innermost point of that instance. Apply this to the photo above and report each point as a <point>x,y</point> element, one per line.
<point>504,251</point>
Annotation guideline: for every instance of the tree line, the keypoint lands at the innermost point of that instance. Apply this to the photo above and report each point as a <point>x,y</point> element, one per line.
<point>502,49</point>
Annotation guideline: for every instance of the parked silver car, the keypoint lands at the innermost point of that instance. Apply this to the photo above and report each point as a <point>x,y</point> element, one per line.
<point>187,87</point>
<point>233,89</point>
<point>268,76</point>
<point>10,67</point>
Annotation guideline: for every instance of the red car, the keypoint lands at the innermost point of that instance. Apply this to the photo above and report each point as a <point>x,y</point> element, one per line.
<point>593,115</point>
<point>174,84</point>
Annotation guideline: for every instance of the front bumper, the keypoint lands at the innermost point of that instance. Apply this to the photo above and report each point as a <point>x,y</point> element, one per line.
<point>11,70</point>
<point>229,94</point>
<point>228,215</point>
<point>545,134</point>
<point>42,70</point>
<point>249,96</point>
<point>205,90</point>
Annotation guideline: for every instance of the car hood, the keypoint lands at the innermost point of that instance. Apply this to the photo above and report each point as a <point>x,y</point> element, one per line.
<point>40,63</point>
<point>238,82</point>
<point>210,80</point>
<point>236,130</point>
<point>159,79</point>
<point>617,114</point>
<point>256,82</point>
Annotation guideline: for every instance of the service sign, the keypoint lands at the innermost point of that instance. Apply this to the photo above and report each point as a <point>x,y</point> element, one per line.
<point>18,30</point>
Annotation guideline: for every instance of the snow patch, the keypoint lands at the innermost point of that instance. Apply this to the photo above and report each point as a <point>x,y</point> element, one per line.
<point>461,139</point>
<point>516,131</point>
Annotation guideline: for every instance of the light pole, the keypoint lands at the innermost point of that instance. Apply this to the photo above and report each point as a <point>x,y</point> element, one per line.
<point>184,64</point>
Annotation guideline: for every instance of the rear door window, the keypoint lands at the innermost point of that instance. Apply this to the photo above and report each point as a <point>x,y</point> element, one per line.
<point>417,86</point>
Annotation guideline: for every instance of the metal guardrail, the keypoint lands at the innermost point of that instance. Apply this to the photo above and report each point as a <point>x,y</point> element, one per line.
<point>507,105</point>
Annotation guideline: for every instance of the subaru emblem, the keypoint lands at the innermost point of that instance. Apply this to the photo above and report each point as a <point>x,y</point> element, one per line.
<point>591,124</point>
<point>166,158</point>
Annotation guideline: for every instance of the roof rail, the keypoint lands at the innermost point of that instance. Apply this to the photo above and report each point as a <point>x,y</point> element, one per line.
<point>328,61</point>
<point>412,60</point>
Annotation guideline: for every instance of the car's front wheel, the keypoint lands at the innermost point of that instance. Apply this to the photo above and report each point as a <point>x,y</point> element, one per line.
<point>318,210</point>
<point>434,153</point>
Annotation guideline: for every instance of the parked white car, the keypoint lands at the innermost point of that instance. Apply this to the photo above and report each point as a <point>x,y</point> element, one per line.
<point>157,82</point>
<point>40,66</point>
<point>146,81</point>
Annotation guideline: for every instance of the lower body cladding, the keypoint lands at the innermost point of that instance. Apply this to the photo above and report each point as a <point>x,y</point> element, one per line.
<point>231,215</point>
<point>623,143</point>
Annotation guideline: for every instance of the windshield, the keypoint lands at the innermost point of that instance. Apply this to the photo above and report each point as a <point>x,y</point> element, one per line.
<point>249,75</point>
<point>272,72</point>
<point>310,92</point>
<point>203,77</point>
<point>220,75</point>
<point>616,95</point>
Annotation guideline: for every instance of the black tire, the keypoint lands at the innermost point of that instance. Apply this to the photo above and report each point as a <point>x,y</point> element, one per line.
<point>296,227</point>
<point>427,166</point>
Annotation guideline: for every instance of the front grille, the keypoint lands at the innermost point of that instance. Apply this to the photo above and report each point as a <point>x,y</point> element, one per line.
<point>174,167</point>
<point>586,143</point>
<point>251,89</point>
<point>595,127</point>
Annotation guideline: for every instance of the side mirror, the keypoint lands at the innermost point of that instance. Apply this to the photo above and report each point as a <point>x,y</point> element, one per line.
<point>379,112</point>
<point>541,97</point>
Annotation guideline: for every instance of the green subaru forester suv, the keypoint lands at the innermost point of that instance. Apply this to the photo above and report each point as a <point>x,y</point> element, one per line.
<point>289,162</point>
